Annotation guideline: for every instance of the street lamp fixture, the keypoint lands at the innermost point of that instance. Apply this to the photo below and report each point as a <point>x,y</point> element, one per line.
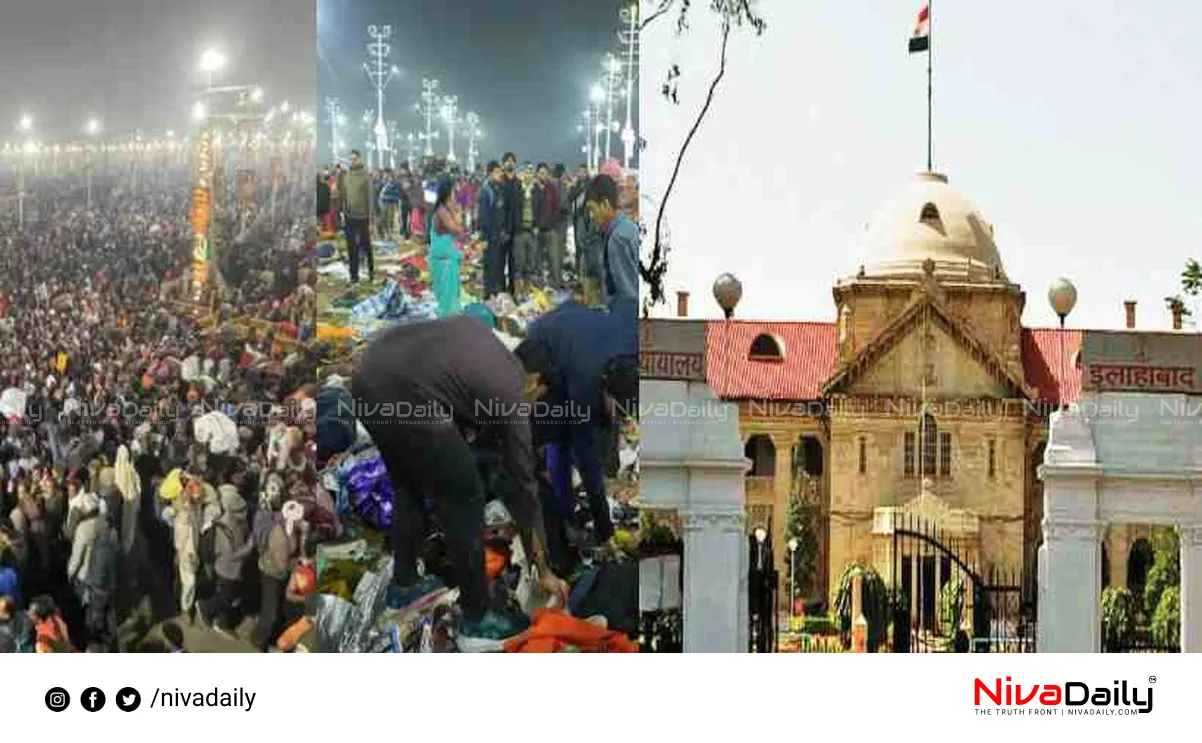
<point>211,61</point>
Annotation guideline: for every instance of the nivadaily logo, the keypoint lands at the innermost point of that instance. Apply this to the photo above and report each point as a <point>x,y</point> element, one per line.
<point>1071,697</point>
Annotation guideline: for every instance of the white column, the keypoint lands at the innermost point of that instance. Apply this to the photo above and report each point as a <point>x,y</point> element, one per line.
<point>1070,559</point>
<point>1191,588</point>
<point>1069,612</point>
<point>713,545</point>
<point>691,460</point>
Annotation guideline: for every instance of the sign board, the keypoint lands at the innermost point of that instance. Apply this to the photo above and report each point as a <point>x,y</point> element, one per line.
<point>672,349</point>
<point>1117,361</point>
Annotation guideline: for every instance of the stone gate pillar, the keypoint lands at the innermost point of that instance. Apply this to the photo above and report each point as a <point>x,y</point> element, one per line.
<point>1191,588</point>
<point>1070,558</point>
<point>691,460</point>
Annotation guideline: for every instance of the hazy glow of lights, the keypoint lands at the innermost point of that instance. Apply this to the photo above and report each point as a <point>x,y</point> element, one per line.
<point>26,123</point>
<point>211,60</point>
<point>256,95</point>
<point>597,94</point>
<point>93,126</point>
<point>198,111</point>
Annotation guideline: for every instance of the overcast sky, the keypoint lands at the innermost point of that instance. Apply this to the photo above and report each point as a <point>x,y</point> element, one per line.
<point>1072,126</point>
<point>134,63</point>
<point>525,66</point>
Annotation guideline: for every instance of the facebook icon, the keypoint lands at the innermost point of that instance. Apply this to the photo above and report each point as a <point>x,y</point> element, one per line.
<point>92,699</point>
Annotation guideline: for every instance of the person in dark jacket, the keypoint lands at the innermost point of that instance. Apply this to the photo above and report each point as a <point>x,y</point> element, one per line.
<point>423,389</point>
<point>586,238</point>
<point>620,240</point>
<point>512,187</point>
<point>390,198</point>
<point>358,196</point>
<point>549,218</point>
<point>583,361</point>
<point>232,547</point>
<point>323,196</point>
<point>493,217</point>
<point>102,581</point>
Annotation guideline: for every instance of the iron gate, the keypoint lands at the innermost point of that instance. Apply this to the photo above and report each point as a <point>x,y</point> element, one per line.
<point>941,601</point>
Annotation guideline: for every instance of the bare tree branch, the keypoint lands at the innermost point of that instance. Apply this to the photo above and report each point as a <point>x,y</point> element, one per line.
<point>664,7</point>
<point>653,273</point>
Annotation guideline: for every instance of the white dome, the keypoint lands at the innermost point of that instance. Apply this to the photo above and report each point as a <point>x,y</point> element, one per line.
<point>928,219</point>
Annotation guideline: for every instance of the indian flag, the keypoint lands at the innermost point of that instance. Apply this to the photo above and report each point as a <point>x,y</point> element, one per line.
<point>921,40</point>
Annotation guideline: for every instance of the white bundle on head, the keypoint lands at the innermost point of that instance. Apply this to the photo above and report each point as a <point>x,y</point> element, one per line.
<point>293,513</point>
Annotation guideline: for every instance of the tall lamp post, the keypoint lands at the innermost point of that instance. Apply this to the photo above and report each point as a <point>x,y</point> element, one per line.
<point>596,98</point>
<point>334,112</point>
<point>629,36</point>
<point>792,576</point>
<point>1062,295</point>
<point>450,117</point>
<point>473,139</point>
<point>380,73</point>
<point>25,126</point>
<point>92,129</point>
<point>428,107</point>
<point>612,68</point>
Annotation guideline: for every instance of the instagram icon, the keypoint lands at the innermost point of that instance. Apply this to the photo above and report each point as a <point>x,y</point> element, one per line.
<point>57,699</point>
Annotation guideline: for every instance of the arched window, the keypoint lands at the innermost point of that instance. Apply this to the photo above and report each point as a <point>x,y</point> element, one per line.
<point>762,453</point>
<point>930,435</point>
<point>765,348</point>
<point>930,217</point>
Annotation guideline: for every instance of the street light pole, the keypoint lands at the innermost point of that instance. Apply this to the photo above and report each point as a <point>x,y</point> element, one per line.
<point>611,76</point>
<point>629,37</point>
<point>427,107</point>
<point>380,73</point>
<point>334,112</point>
<point>450,116</point>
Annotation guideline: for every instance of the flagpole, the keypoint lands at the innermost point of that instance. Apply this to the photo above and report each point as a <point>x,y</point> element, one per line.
<point>930,87</point>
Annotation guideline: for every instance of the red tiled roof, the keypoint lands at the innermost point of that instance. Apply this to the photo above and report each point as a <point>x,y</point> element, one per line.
<point>809,354</point>
<point>1044,365</point>
<point>809,351</point>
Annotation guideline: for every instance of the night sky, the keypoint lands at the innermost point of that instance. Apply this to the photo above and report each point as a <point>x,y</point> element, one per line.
<point>134,63</point>
<point>525,66</point>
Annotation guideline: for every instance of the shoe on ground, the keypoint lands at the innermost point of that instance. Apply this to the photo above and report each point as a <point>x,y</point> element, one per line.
<point>402,597</point>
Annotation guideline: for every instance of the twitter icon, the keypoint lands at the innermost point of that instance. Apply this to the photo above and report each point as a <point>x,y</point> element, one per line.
<point>128,699</point>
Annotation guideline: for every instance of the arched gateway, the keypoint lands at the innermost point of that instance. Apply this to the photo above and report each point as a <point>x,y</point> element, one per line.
<point>1129,452</point>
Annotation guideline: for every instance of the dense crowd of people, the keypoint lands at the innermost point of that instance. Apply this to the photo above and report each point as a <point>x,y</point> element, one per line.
<point>157,454</point>
<point>525,215</point>
<point>478,434</point>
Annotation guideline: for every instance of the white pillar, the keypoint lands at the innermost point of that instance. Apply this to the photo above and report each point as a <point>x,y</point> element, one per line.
<point>1191,588</point>
<point>693,463</point>
<point>1070,557</point>
<point>713,545</point>
<point>1069,611</point>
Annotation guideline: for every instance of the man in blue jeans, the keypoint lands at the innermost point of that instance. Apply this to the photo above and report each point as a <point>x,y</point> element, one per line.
<point>358,196</point>
<point>583,362</point>
<point>419,388</point>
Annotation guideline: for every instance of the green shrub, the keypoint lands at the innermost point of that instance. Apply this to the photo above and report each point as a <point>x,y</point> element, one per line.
<point>1118,616</point>
<point>1166,567</point>
<point>875,603</point>
<point>1166,620</point>
<point>823,625</point>
<point>951,607</point>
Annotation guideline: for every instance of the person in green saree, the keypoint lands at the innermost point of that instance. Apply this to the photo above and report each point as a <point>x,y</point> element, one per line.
<point>446,226</point>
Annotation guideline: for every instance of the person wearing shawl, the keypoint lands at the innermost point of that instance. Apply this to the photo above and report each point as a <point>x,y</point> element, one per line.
<point>232,547</point>
<point>275,566</point>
